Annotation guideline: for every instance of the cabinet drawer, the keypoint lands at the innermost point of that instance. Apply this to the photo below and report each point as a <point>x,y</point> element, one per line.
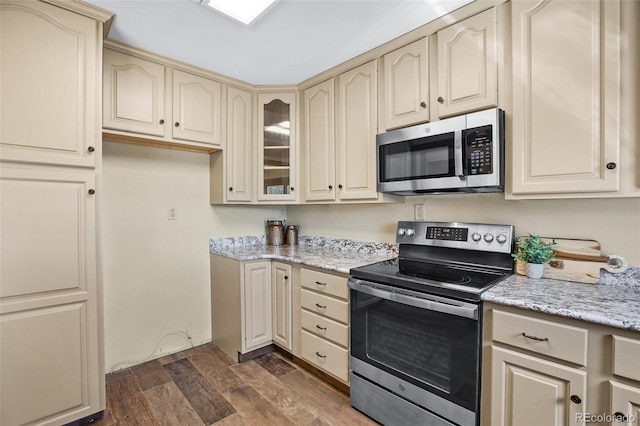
<point>548,338</point>
<point>626,357</point>
<point>325,355</point>
<point>325,305</point>
<point>325,283</point>
<point>324,327</point>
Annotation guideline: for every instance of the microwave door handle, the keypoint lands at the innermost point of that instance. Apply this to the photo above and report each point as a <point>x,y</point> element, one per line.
<point>457,155</point>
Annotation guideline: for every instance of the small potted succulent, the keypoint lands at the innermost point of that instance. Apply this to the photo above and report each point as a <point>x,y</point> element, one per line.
<point>535,252</point>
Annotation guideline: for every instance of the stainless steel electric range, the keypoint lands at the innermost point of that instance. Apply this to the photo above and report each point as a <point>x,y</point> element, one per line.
<point>416,323</point>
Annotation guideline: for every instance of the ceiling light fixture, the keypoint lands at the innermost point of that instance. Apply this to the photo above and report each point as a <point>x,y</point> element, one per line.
<point>245,11</point>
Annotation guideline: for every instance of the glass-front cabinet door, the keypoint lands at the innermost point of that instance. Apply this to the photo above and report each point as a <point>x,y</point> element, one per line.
<point>277,143</point>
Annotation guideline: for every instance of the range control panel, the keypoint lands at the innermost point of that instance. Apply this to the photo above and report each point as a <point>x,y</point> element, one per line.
<point>469,236</point>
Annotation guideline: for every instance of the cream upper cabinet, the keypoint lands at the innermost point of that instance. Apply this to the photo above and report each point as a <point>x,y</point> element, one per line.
<point>133,94</point>
<point>196,108</point>
<point>146,99</point>
<point>277,147</point>
<point>406,85</point>
<point>48,102</point>
<point>356,124</point>
<point>566,97</point>
<point>467,65</point>
<point>238,146</point>
<point>281,294</point>
<point>319,142</point>
<point>231,168</point>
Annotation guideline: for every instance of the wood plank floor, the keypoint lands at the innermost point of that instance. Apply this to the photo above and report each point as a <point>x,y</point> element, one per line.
<point>203,386</point>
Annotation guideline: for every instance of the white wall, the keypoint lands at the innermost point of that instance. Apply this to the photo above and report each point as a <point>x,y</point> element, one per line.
<point>156,271</point>
<point>614,223</point>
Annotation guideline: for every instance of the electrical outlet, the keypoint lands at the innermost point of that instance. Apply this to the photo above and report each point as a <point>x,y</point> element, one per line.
<point>173,213</point>
<point>418,211</point>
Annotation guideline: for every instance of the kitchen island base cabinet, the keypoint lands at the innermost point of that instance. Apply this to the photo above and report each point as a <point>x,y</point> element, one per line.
<point>240,305</point>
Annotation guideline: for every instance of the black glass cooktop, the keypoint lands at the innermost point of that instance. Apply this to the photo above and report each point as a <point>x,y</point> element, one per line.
<point>449,280</point>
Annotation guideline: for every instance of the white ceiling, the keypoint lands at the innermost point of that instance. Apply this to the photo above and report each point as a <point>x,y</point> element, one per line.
<point>293,41</point>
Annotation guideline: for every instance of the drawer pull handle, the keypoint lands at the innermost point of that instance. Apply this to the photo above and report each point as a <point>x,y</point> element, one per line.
<point>321,306</point>
<point>320,327</point>
<point>319,283</point>
<point>576,399</point>
<point>539,339</point>
<point>320,355</point>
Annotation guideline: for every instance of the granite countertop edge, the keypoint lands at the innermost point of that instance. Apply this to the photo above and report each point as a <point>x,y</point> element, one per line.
<point>331,254</point>
<point>614,301</point>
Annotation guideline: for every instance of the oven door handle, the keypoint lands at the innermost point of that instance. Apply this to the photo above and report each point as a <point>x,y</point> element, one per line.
<point>413,298</point>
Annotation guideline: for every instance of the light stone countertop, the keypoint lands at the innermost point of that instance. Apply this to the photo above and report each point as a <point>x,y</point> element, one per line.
<point>332,254</point>
<point>614,301</point>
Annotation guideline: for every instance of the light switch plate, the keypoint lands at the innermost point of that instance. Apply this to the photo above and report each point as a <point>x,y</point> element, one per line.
<point>418,211</point>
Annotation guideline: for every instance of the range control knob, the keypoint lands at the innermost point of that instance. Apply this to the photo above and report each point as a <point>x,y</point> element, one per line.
<point>488,237</point>
<point>410,232</point>
<point>401,231</point>
<point>476,237</point>
<point>501,238</point>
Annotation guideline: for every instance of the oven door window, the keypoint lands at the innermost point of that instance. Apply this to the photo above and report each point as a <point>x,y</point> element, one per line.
<point>435,351</point>
<point>428,157</point>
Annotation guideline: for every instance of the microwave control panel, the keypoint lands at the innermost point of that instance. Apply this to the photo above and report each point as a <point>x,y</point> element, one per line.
<point>478,145</point>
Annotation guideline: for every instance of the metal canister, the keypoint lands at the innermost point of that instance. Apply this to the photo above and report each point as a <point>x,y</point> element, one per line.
<point>275,232</point>
<point>291,235</point>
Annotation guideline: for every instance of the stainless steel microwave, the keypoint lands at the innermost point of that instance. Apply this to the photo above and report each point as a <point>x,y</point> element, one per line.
<point>458,154</point>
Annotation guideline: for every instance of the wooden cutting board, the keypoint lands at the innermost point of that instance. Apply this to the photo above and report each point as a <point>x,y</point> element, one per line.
<point>578,261</point>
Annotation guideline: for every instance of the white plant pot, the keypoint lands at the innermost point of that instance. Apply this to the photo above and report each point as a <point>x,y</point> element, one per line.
<point>535,270</point>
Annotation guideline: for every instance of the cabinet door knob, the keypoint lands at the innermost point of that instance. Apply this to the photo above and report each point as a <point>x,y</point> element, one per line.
<point>92,191</point>
<point>339,186</point>
<point>611,166</point>
<point>423,104</point>
<point>91,149</point>
<point>619,416</point>
<point>177,124</point>
<point>330,186</point>
<point>576,399</point>
<point>286,277</point>
<point>161,121</point>
<point>292,189</point>
<point>440,99</point>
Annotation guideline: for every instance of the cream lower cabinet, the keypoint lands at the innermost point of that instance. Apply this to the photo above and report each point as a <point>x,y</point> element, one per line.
<point>566,98</point>
<point>145,98</point>
<point>530,391</point>
<point>281,296</point>
<point>625,385</point>
<point>541,369</point>
<point>231,169</point>
<point>240,305</point>
<point>50,323</point>
<point>324,322</point>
